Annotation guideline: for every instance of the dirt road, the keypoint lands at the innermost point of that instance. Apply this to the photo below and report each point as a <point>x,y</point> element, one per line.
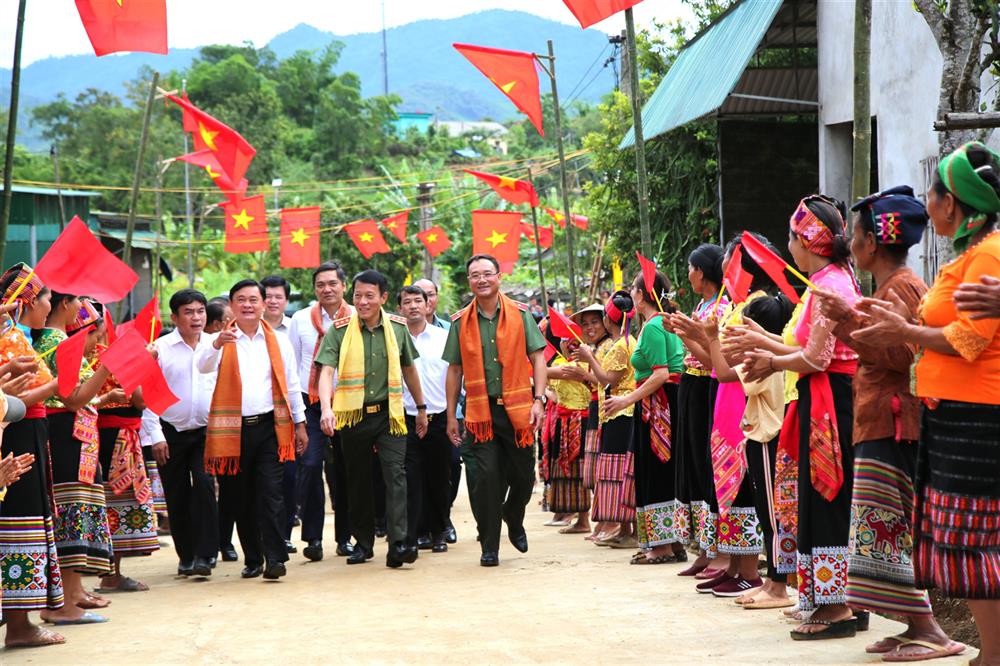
<point>564,601</point>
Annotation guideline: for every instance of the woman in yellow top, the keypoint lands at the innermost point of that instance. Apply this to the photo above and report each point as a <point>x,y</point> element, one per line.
<point>611,365</point>
<point>957,483</point>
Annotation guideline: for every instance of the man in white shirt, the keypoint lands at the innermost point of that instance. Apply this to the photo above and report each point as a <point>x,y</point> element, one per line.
<point>428,459</point>
<point>264,441</point>
<point>178,437</point>
<point>305,333</point>
<point>432,303</point>
<point>277,291</point>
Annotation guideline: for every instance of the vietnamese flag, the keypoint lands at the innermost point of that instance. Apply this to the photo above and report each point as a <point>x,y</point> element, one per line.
<point>563,326</point>
<point>509,189</point>
<point>206,159</point>
<point>435,240</point>
<point>77,263</point>
<point>69,357</point>
<point>772,264</point>
<point>147,322</point>
<point>579,220</point>
<point>246,225</point>
<point>514,73</point>
<point>232,150</point>
<point>736,280</point>
<point>300,237</point>
<point>125,25</point>
<point>397,225</point>
<point>497,234</point>
<point>367,238</point>
<point>589,12</point>
<point>544,234</point>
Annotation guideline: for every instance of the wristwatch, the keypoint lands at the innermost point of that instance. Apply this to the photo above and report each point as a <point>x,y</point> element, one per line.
<point>421,408</point>
<point>540,398</point>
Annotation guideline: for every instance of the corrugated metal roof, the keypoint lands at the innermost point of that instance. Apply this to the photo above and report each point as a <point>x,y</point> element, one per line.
<point>707,70</point>
<point>22,189</point>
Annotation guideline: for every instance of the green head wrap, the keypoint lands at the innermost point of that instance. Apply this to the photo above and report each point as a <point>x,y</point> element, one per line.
<point>962,180</point>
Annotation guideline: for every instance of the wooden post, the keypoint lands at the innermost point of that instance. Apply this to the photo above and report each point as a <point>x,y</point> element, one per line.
<point>538,249</point>
<point>134,197</point>
<point>54,154</point>
<point>8,165</point>
<point>642,188</point>
<point>424,191</point>
<point>862,167</point>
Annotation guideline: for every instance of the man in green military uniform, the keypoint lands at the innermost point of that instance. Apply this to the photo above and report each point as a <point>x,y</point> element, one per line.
<point>365,358</point>
<point>504,385</point>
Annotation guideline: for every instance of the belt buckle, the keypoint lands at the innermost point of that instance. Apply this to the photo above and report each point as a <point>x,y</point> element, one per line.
<point>251,420</point>
<point>372,409</point>
<point>499,401</point>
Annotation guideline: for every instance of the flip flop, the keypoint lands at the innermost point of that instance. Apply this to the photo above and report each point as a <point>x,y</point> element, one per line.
<point>574,530</point>
<point>768,603</point>
<point>877,648</point>
<point>659,559</point>
<point>840,629</point>
<point>86,618</point>
<point>46,638</point>
<point>126,584</point>
<point>556,523</point>
<point>936,651</point>
<point>93,603</point>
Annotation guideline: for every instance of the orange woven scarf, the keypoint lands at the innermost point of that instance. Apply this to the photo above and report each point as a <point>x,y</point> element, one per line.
<point>225,417</point>
<point>516,375</point>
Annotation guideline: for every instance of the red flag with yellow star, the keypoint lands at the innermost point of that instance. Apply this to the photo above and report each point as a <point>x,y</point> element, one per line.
<point>509,189</point>
<point>246,225</point>
<point>544,234</point>
<point>589,12</point>
<point>206,160</point>
<point>435,240</point>
<point>497,234</point>
<point>300,237</point>
<point>125,25</point>
<point>367,238</point>
<point>233,151</point>
<point>514,73</point>
<point>397,225</point>
<point>580,221</point>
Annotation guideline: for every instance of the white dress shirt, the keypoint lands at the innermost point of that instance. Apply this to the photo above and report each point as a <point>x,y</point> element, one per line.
<point>432,370</point>
<point>286,322</point>
<point>302,334</point>
<point>255,371</point>
<point>194,388</point>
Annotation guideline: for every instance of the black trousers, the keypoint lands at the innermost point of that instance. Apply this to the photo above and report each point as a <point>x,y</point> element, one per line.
<point>428,478</point>
<point>190,493</point>
<point>260,519</point>
<point>336,475</point>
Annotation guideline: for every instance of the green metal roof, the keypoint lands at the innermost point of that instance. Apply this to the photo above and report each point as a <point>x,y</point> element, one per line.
<point>707,69</point>
<point>22,189</point>
<point>145,240</point>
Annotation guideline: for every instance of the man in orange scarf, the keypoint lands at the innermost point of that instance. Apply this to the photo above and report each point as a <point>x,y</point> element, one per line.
<point>504,385</point>
<point>257,399</point>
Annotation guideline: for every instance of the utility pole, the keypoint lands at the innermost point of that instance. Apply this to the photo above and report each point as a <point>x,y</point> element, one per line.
<point>862,167</point>
<point>54,154</point>
<point>635,94</point>
<point>188,210</point>
<point>426,203</point>
<point>8,165</point>
<point>538,247</point>
<point>385,56</point>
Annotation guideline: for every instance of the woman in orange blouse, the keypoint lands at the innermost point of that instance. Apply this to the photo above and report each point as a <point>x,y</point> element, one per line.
<point>957,516</point>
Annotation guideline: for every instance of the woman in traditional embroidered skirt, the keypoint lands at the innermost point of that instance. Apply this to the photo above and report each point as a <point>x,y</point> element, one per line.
<point>28,562</point>
<point>611,364</point>
<point>692,423</point>
<point>818,432</point>
<point>957,483</point>
<point>658,359</point>
<point>83,540</point>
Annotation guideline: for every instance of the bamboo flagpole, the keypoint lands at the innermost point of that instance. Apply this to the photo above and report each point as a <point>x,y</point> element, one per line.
<point>640,142</point>
<point>8,167</point>
<point>538,247</point>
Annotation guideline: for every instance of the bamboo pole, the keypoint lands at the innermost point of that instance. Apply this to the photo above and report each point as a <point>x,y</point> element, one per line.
<point>8,166</point>
<point>635,94</point>
<point>538,248</point>
<point>861,162</point>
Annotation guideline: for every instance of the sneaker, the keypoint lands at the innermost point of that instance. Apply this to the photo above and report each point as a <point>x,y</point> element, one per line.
<point>736,587</point>
<point>707,586</point>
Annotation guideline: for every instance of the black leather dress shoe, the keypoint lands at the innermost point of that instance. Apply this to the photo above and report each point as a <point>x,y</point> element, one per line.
<point>489,560</point>
<point>314,551</point>
<point>274,570</point>
<point>379,532</point>
<point>290,547</point>
<point>400,554</point>
<point>360,555</point>
<point>439,547</point>
<point>424,542</point>
<point>345,549</point>
<point>519,539</point>
<point>201,567</point>
<point>450,535</point>
<point>252,572</point>
<point>183,568</point>
<point>229,554</point>
<point>212,561</point>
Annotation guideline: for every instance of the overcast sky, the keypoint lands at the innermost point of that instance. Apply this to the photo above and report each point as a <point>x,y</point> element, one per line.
<point>53,28</point>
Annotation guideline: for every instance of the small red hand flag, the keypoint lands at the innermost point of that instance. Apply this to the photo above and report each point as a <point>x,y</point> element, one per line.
<point>544,234</point>
<point>300,237</point>
<point>109,326</point>
<point>77,263</point>
<point>397,225</point>
<point>514,73</point>
<point>589,12</point>
<point>509,189</point>
<point>233,151</point>
<point>736,280</point>
<point>649,278</point>
<point>128,360</point>
<point>125,25</point>
<point>156,392</point>
<point>435,240</point>
<point>147,322</point>
<point>246,226</point>
<point>772,264</point>
<point>497,234</point>
<point>69,356</point>
<point>367,238</point>
<point>563,326</point>
<point>580,221</point>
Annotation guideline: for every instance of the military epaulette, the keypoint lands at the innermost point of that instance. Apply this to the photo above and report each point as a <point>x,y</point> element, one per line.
<point>458,315</point>
<point>342,322</point>
<point>396,318</point>
<point>523,307</point>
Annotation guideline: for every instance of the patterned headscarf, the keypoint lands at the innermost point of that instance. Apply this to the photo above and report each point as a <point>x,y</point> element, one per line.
<point>816,236</point>
<point>20,283</point>
<point>88,315</point>
<point>963,180</point>
<point>897,217</point>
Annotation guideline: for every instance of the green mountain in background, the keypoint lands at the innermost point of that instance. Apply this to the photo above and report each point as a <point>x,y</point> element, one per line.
<point>424,69</point>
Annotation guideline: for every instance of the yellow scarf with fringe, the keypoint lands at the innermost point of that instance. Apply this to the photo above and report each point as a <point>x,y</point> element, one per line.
<point>349,398</point>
